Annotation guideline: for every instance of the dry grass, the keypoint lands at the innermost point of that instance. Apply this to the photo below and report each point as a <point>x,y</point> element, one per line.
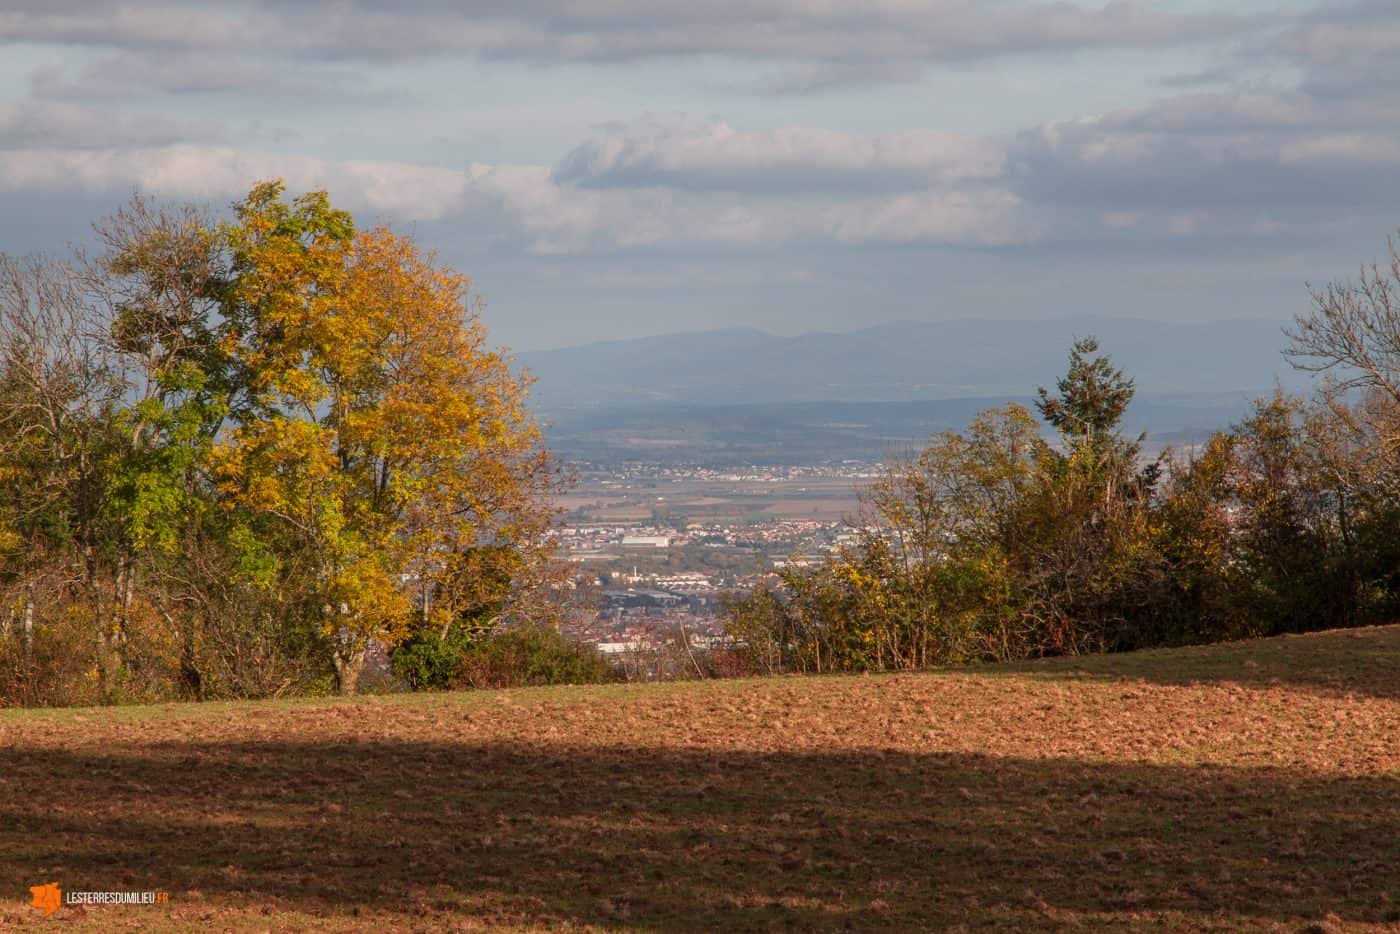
<point>1252,786</point>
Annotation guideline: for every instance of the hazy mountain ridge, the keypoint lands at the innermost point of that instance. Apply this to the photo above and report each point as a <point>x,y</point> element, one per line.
<point>902,361</point>
<point>813,432</point>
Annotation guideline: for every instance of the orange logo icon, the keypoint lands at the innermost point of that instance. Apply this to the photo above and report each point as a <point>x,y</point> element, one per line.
<point>46,897</point>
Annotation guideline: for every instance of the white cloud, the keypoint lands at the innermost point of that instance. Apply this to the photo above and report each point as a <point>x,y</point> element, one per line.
<point>218,174</point>
<point>991,218</point>
<point>526,207</point>
<point>716,156</point>
<point>1280,154</point>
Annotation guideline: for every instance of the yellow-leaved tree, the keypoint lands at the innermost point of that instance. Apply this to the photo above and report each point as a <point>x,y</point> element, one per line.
<point>376,438</point>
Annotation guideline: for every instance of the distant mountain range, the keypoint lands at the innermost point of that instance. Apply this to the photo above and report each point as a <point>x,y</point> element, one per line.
<point>816,432</point>
<point>901,361</point>
<point>745,396</point>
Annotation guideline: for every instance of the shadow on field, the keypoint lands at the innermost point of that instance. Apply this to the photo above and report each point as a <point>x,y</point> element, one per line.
<point>1364,662</point>
<point>691,839</point>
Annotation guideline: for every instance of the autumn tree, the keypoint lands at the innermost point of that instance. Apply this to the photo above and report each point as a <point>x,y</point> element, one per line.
<point>234,452</point>
<point>990,543</point>
<point>157,281</point>
<point>378,438</point>
<point>951,517</point>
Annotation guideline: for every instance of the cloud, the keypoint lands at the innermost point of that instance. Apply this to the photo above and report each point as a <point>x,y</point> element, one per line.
<point>1344,52</point>
<point>553,218</point>
<point>129,76</point>
<point>116,24</point>
<point>827,42</point>
<point>1190,168</point>
<point>1272,140</point>
<point>1253,160</point>
<point>1259,158</point>
<point>977,219</point>
<point>220,174</point>
<point>1337,152</point>
<point>715,156</point>
<point>1274,154</point>
<point>1336,33</point>
<point>28,125</point>
<point>526,208</point>
<point>813,78</point>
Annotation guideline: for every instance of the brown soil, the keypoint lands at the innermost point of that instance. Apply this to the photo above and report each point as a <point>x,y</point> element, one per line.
<point>1250,786</point>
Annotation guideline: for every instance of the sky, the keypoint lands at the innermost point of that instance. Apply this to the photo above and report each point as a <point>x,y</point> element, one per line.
<point>613,168</point>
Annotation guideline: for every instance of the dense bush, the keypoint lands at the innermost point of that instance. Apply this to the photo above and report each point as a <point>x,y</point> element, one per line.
<point>529,655</point>
<point>430,660</point>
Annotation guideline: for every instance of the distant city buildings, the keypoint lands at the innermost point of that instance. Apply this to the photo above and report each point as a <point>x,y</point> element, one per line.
<point>659,581</point>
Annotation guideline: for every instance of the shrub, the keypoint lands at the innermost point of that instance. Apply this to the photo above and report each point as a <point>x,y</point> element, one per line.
<point>529,655</point>
<point>57,668</point>
<point>431,659</point>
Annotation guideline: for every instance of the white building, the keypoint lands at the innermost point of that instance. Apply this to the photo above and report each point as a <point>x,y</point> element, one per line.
<point>646,541</point>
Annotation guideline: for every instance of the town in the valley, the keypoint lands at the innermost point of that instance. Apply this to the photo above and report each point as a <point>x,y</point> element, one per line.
<point>654,548</point>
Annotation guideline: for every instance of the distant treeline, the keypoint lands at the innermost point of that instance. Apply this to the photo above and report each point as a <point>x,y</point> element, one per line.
<point>994,544</point>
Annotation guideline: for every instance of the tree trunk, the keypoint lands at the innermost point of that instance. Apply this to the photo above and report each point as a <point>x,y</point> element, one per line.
<point>189,666</point>
<point>29,623</point>
<point>349,662</point>
<point>125,586</point>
